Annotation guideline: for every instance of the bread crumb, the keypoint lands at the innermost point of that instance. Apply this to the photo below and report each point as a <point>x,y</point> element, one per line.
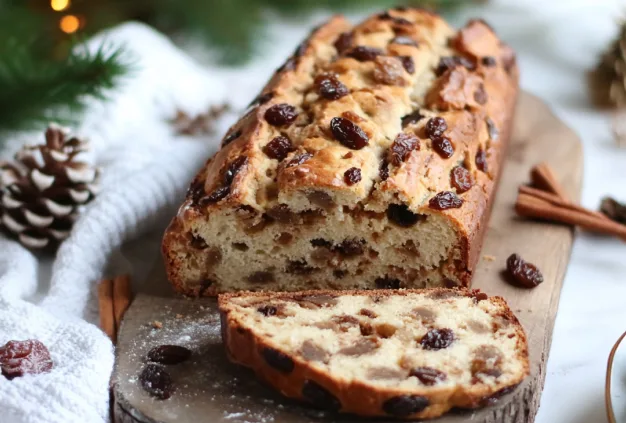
<point>157,325</point>
<point>488,257</point>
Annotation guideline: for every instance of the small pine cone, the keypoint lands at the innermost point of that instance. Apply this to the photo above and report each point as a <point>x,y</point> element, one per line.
<point>42,191</point>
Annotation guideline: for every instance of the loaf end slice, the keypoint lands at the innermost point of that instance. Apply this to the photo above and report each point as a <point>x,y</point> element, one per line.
<point>405,354</point>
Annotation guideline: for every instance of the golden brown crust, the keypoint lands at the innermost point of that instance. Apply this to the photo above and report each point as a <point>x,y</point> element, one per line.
<point>245,347</point>
<point>472,97</point>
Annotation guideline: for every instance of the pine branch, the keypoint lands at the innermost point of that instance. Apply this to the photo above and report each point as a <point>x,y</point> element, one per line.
<point>35,90</point>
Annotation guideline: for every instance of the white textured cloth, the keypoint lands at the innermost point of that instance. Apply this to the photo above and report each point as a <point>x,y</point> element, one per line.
<point>146,169</point>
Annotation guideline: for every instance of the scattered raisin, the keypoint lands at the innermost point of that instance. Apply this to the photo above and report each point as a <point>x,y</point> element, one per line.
<point>278,148</point>
<point>385,373</point>
<point>169,354</point>
<point>443,146</point>
<point>319,242</point>
<point>387,283</point>
<point>402,216</point>
<point>369,313</point>
<point>437,339</point>
<point>156,381</point>
<point>217,195</point>
<point>389,71</point>
<point>523,273</point>
<point>408,63</point>
<point>278,360</point>
<point>402,147</point>
<point>195,191</point>
<point>317,301</point>
<point>395,19</point>
<point>231,137</point>
<point>19,358</point>
<point>384,170</point>
<point>386,330</point>
<point>299,267</point>
<point>435,127</point>
<point>405,405</point>
<point>312,352</point>
<point>364,53</point>
<point>344,42</point>
<point>480,96</point>
<point>428,376</point>
<point>234,168</point>
<point>412,117</point>
<point>481,160</point>
<point>450,62</point>
<point>361,347</point>
<point>351,247</point>
<point>330,87</point>
<point>299,159</point>
<point>352,176</point>
<point>461,179</point>
<point>267,310</point>
<point>320,396</point>
<point>348,133</point>
<point>494,134</point>
<point>445,200</point>
<point>488,61</point>
<point>321,199</point>
<point>403,40</point>
<point>281,114</point>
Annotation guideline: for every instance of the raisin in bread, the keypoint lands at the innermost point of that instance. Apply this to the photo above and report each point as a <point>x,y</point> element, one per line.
<point>406,353</point>
<point>369,161</point>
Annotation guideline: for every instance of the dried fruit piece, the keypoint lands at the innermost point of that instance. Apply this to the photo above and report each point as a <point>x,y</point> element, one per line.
<point>361,347</point>
<point>383,172</point>
<point>481,160</point>
<point>488,61</point>
<point>169,354</point>
<point>156,381</point>
<point>281,114</point>
<point>480,96</point>
<point>234,168</point>
<point>217,195</point>
<point>299,159</point>
<point>299,267</point>
<point>523,273</point>
<point>412,117</point>
<point>368,313</point>
<point>445,200</point>
<point>402,147</point>
<point>449,62</point>
<point>317,301</point>
<point>387,283</point>
<point>435,127</point>
<point>437,339</point>
<point>267,310</point>
<point>443,146</point>
<point>352,176</point>
<point>276,359</point>
<point>408,64</point>
<point>405,405</point>
<point>344,42</point>
<point>312,352</point>
<point>402,216</point>
<point>330,87</point>
<point>385,373</point>
<point>19,358</point>
<point>428,376</point>
<point>350,247</point>
<point>320,396</point>
<point>461,179</point>
<point>492,129</point>
<point>278,148</point>
<point>348,133</point>
<point>389,71</point>
<point>364,53</point>
<point>231,137</point>
<point>403,40</point>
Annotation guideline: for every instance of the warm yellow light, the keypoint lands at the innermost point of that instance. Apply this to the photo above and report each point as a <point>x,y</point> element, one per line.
<point>69,24</point>
<point>59,5</point>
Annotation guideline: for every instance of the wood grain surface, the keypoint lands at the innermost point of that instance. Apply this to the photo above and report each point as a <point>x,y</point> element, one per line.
<point>210,389</point>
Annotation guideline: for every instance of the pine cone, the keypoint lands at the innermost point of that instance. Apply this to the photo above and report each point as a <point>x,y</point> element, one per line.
<point>41,193</point>
<point>607,81</point>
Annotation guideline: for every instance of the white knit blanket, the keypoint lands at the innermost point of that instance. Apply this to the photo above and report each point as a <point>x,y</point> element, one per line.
<point>146,169</point>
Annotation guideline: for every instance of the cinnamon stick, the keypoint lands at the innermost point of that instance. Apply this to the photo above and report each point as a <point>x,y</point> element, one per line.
<point>544,178</point>
<point>557,201</point>
<point>105,305</point>
<point>534,207</point>
<point>121,299</point>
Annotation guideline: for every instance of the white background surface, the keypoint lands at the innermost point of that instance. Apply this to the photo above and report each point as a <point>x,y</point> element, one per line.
<point>146,173</point>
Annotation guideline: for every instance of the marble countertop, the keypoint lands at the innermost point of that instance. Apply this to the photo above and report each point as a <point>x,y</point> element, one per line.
<point>557,42</point>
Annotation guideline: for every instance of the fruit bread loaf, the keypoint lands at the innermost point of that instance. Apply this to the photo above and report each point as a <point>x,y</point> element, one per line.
<point>402,353</point>
<point>370,160</point>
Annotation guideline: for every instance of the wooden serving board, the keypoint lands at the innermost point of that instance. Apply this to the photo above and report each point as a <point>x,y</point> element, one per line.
<point>210,389</point>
